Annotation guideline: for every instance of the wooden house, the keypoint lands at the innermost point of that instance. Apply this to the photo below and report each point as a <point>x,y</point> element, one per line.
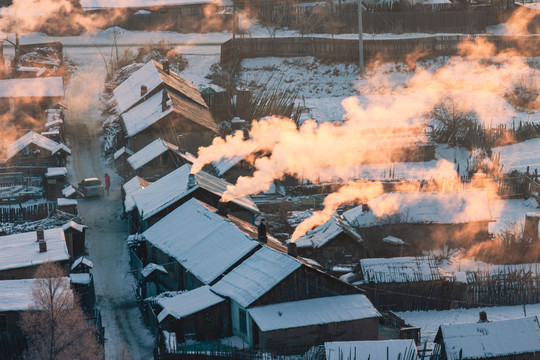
<point>196,247</point>
<point>501,340</point>
<point>33,154</point>
<point>75,235</point>
<point>294,327</point>
<point>155,160</point>
<point>198,314</point>
<point>404,349</point>
<point>152,203</point>
<point>21,254</point>
<point>154,102</point>
<point>271,277</point>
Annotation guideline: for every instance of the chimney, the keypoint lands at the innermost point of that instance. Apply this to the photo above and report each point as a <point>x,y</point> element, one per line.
<point>482,317</point>
<point>365,207</point>
<point>191,181</point>
<point>165,101</point>
<point>291,249</point>
<point>144,90</point>
<point>166,66</point>
<point>223,208</point>
<point>40,234</point>
<point>530,231</point>
<point>261,232</point>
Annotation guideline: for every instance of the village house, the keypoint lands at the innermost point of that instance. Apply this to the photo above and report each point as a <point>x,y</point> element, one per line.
<point>155,160</point>
<point>21,254</point>
<point>501,340</point>
<point>33,154</point>
<point>404,349</point>
<point>406,283</point>
<point>204,247</point>
<point>177,15</point>
<point>149,204</point>
<point>154,102</point>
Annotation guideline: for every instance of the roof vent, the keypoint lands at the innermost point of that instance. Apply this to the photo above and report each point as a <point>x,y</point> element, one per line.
<point>40,234</point>
<point>144,90</point>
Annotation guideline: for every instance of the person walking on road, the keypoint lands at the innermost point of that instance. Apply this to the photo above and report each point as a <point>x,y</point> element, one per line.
<point>107,183</point>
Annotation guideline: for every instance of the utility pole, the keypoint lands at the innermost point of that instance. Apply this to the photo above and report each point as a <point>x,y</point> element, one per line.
<point>360,41</point>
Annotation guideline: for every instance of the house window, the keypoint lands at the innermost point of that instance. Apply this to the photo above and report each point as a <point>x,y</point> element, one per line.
<point>243,321</point>
<point>3,322</point>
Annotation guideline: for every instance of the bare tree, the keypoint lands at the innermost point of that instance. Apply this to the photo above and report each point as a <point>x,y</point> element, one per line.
<point>55,324</point>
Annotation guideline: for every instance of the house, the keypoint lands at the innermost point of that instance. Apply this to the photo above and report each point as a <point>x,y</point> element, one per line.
<point>406,283</point>
<point>294,327</point>
<point>423,220</point>
<point>75,235</point>
<point>198,314</point>
<point>501,340</point>
<point>151,203</point>
<point>154,102</point>
<point>149,15</point>
<point>195,246</point>
<point>404,349</point>
<point>33,154</point>
<point>270,277</point>
<point>21,254</point>
<point>155,160</point>
<point>334,242</point>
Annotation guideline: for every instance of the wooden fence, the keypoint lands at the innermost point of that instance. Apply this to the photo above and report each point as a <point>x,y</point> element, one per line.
<point>17,212</point>
<point>346,50</point>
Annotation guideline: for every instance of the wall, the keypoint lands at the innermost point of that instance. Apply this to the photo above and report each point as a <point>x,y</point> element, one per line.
<point>299,340</point>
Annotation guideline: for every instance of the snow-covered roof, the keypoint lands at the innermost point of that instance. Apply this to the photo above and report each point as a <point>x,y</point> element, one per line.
<point>149,153</point>
<point>174,186</point>
<point>56,171</point>
<point>134,4</point>
<point>404,349</point>
<point>16,295</point>
<point>130,188</point>
<point>39,140</point>
<point>22,250</point>
<point>394,240</point>
<point>32,87</point>
<point>82,260</point>
<point>67,202</point>
<point>83,278</point>
<point>226,163</point>
<point>122,151</point>
<point>203,242</point>
<point>68,191</point>
<point>188,303</point>
<point>325,232</point>
<point>422,208</point>
<point>151,75</point>
<point>256,275</point>
<point>490,339</point>
<point>151,267</point>
<point>399,270</point>
<point>73,225</point>
<point>310,312</point>
<point>150,111</point>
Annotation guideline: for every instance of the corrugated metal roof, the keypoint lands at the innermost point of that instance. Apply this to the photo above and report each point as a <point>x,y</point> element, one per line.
<point>311,312</point>
<point>490,339</point>
<point>201,241</point>
<point>188,303</point>
<point>399,270</point>
<point>256,276</point>
<point>404,349</point>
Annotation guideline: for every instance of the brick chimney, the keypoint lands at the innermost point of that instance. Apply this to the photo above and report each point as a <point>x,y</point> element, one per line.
<point>530,231</point>
<point>40,234</point>
<point>291,249</point>
<point>166,66</point>
<point>144,90</point>
<point>165,105</point>
<point>42,246</point>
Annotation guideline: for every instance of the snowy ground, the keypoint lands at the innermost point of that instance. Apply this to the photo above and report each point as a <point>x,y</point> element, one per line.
<point>520,156</point>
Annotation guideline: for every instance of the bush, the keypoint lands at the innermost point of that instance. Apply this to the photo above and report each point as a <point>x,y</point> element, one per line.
<point>524,94</point>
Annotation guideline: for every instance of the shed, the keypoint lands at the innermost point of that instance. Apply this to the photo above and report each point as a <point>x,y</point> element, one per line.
<point>82,265</point>
<point>68,205</point>
<point>294,327</point>
<point>198,314</point>
<point>56,180</point>
<point>501,340</point>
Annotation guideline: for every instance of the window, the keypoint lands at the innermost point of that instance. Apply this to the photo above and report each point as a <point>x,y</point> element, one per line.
<point>3,322</point>
<point>242,320</point>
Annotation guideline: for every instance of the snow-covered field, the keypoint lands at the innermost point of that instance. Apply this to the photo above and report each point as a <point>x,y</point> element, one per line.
<point>520,156</point>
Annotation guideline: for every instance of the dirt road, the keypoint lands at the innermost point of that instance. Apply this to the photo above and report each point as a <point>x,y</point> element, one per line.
<point>126,336</point>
